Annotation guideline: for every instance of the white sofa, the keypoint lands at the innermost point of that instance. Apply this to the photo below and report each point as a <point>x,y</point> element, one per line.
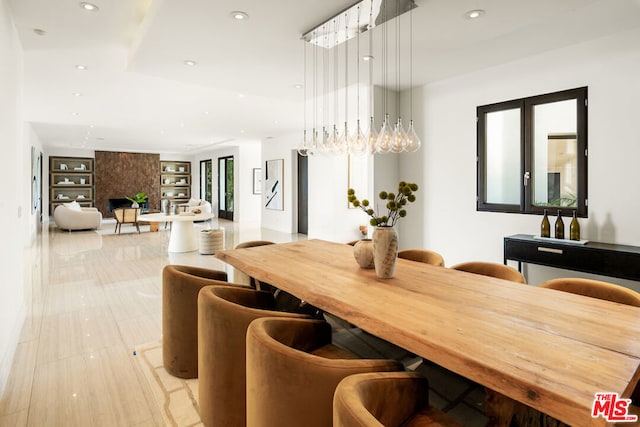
<point>202,205</point>
<point>69,217</point>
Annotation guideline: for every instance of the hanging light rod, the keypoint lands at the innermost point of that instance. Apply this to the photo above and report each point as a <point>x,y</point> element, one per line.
<point>382,11</point>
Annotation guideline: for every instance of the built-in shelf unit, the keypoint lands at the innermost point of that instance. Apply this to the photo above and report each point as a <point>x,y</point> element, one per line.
<point>175,181</point>
<point>71,178</point>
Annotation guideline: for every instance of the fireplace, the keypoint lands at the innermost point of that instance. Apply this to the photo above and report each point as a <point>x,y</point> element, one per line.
<point>119,203</point>
<point>126,203</point>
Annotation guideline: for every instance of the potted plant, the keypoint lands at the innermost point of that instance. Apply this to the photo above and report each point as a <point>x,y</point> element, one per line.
<point>138,199</point>
<point>385,238</point>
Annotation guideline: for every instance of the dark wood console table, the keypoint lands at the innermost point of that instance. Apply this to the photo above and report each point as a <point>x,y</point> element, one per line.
<point>593,257</point>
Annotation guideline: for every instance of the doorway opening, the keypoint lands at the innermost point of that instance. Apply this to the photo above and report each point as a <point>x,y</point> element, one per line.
<point>303,195</point>
<point>225,187</point>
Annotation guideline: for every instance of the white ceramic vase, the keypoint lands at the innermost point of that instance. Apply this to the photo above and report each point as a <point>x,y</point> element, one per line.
<point>385,251</point>
<point>363,253</point>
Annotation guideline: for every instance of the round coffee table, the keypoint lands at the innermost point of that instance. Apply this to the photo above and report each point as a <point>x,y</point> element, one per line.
<point>183,235</point>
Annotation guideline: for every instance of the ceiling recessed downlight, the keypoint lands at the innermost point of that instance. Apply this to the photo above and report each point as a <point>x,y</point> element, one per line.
<point>81,67</point>
<point>473,14</point>
<point>89,6</point>
<point>190,63</point>
<point>367,58</point>
<point>238,15</point>
<point>77,94</point>
<point>298,86</point>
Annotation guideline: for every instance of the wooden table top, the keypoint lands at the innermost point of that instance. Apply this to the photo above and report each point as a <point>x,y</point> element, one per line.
<point>548,349</point>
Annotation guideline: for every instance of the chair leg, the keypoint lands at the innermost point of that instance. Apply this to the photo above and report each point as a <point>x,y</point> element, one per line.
<point>138,227</point>
<point>116,230</point>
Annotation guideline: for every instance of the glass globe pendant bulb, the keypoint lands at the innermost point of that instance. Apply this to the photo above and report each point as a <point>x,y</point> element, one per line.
<point>359,144</point>
<point>334,140</point>
<point>323,142</point>
<point>313,143</point>
<point>345,141</point>
<point>383,142</point>
<point>303,149</point>
<point>371,136</point>
<point>413,142</point>
<point>398,140</point>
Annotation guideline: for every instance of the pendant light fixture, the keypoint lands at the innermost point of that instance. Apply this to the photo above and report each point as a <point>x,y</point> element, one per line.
<point>347,138</point>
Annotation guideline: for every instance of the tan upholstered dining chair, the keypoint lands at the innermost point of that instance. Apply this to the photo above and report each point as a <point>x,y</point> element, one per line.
<point>422,255</point>
<point>491,269</point>
<point>180,287</point>
<point>595,289</point>
<point>293,370</point>
<point>126,216</point>
<point>224,313</point>
<point>383,399</point>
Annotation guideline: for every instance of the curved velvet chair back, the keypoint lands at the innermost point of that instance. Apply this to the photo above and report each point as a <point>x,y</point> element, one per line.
<point>224,313</point>
<point>380,399</point>
<point>253,243</point>
<point>180,287</point>
<point>491,269</point>
<point>293,370</point>
<point>595,289</point>
<point>422,255</point>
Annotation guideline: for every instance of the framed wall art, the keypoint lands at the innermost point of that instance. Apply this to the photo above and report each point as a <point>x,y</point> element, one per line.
<point>273,184</point>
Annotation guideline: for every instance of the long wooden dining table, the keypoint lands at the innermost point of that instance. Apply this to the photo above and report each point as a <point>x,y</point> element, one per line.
<point>547,349</point>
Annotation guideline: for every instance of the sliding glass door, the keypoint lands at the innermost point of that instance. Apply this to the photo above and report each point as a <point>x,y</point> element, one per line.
<point>206,180</point>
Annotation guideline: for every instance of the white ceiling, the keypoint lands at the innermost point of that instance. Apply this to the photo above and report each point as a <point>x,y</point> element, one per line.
<point>137,94</point>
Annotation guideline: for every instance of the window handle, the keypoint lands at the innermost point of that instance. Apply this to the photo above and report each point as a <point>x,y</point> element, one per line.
<point>527,175</point>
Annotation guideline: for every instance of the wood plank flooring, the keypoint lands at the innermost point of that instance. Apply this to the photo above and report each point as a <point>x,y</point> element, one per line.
<point>90,299</point>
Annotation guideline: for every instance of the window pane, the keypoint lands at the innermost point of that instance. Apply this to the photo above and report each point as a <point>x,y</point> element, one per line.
<point>555,159</point>
<point>503,157</point>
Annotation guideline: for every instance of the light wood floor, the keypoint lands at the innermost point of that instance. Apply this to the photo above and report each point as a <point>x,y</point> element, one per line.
<point>90,299</point>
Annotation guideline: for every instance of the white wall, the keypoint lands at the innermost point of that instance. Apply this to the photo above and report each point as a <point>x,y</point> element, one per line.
<point>282,148</point>
<point>12,204</point>
<point>329,215</point>
<point>445,167</point>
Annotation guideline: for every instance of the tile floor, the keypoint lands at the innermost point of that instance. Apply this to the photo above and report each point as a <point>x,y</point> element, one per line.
<point>91,297</point>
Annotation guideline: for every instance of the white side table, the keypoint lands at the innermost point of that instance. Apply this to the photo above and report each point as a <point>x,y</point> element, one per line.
<point>183,235</point>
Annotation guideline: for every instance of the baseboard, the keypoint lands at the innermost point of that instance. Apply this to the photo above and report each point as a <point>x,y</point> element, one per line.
<point>10,351</point>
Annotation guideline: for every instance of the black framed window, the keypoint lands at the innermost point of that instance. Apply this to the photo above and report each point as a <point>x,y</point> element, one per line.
<point>532,154</point>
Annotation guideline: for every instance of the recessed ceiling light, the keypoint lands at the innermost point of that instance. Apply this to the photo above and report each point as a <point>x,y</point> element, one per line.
<point>241,130</point>
<point>239,15</point>
<point>206,113</point>
<point>77,94</point>
<point>75,113</point>
<point>298,86</point>
<point>367,58</point>
<point>240,95</point>
<point>473,14</point>
<point>81,67</point>
<point>39,31</point>
<point>190,63</point>
<point>89,6</point>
